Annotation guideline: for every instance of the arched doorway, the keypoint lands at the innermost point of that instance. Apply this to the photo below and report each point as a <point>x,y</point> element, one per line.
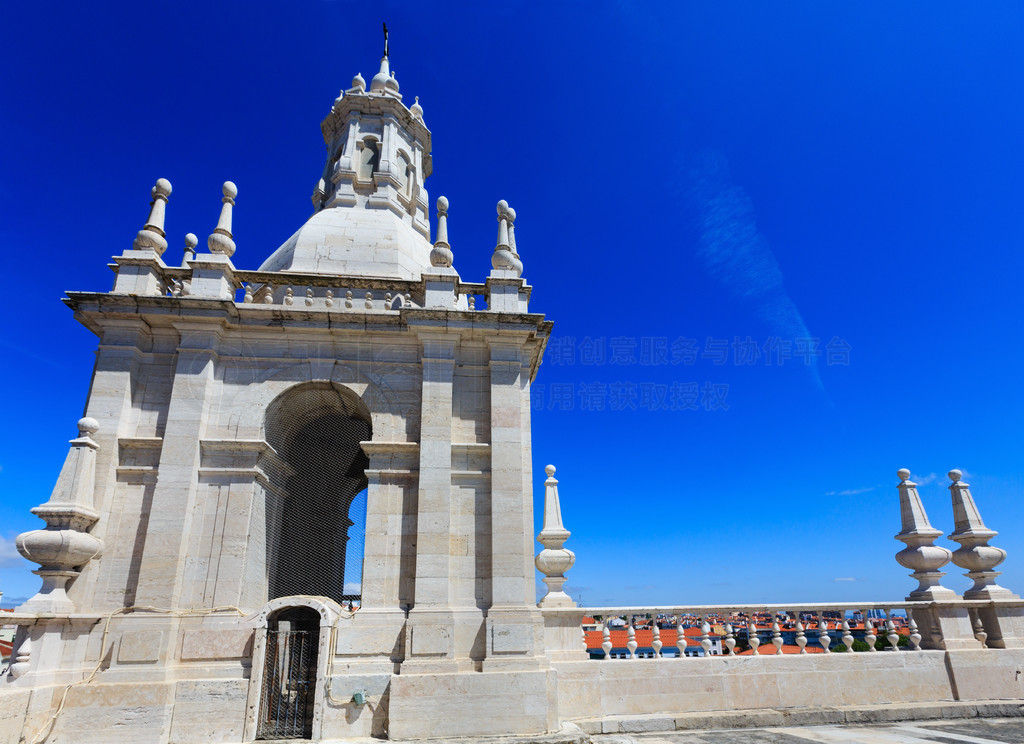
<point>288,694</point>
<point>314,534</point>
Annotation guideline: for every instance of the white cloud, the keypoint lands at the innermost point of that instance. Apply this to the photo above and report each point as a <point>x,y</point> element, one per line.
<point>9,555</point>
<point>844,578</point>
<point>353,587</point>
<point>851,491</point>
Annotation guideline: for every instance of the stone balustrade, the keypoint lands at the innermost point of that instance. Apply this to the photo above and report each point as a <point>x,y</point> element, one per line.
<point>313,292</point>
<point>697,631</point>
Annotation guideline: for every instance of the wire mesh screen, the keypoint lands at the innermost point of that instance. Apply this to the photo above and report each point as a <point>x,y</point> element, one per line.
<point>316,500</point>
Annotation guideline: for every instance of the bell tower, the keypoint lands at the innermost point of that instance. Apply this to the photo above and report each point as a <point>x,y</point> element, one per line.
<point>234,419</point>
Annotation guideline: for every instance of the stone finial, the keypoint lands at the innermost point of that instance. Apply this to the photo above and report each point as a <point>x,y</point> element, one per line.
<point>441,253</point>
<point>416,109</point>
<point>384,82</point>
<point>517,265</point>
<point>65,545</point>
<point>502,258</point>
<point>554,560</point>
<point>152,235</point>
<point>358,84</point>
<point>191,241</point>
<point>975,554</point>
<point>220,239</point>
<point>920,555</point>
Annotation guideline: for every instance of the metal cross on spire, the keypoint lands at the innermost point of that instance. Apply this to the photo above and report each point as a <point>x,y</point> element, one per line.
<point>385,40</point>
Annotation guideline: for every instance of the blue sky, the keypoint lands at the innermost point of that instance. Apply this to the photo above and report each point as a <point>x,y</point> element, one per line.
<point>689,179</point>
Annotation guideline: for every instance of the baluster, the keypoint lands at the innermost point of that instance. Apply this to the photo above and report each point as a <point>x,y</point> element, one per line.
<point>801,639</point>
<point>248,294</point>
<point>847,635</point>
<point>823,637</point>
<point>329,298</point>
<point>776,634</point>
<point>21,659</point>
<point>309,296</point>
<point>752,637</point>
<point>289,296</point>
<point>730,639</point>
<point>656,642</point>
<point>915,636</point>
<point>869,632</point>
<point>705,638</point>
<point>472,302</point>
<point>681,637</point>
<point>408,300</point>
<point>891,635</point>
<point>268,295</point>
<point>387,301</point>
<point>348,299</point>
<point>606,639</point>
<point>979,629</point>
<point>177,288</point>
<point>369,301</point>
<point>631,638</point>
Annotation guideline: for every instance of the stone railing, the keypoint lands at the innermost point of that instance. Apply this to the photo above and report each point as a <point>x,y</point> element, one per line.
<point>677,632</point>
<point>326,293</point>
<point>931,617</point>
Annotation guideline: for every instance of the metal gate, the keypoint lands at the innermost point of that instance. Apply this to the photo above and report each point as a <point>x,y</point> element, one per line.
<point>289,684</point>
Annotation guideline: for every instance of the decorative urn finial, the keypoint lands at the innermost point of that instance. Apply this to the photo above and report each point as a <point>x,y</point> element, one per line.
<point>921,555</point>
<point>441,253</point>
<point>517,265</point>
<point>554,560</point>
<point>191,241</point>
<point>975,554</point>
<point>220,240</point>
<point>65,545</point>
<point>152,235</point>
<point>502,258</point>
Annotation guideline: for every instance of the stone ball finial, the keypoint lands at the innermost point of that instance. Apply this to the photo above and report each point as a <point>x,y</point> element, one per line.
<point>162,188</point>
<point>191,241</point>
<point>550,470</point>
<point>87,425</point>
<point>955,475</point>
<point>511,213</point>
<point>230,190</point>
<point>502,207</point>
<point>358,82</point>
<point>442,204</point>
<point>903,474</point>
<point>416,109</point>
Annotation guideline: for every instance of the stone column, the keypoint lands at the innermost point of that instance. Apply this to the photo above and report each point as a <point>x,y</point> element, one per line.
<point>163,569</point>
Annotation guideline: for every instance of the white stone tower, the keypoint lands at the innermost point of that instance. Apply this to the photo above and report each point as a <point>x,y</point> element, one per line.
<point>199,537</point>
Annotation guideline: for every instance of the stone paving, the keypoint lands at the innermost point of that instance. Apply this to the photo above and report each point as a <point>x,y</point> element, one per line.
<point>971,731</point>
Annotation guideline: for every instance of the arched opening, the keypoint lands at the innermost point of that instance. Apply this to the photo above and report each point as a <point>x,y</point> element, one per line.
<point>369,159</point>
<point>288,693</point>
<point>404,175</point>
<point>316,504</point>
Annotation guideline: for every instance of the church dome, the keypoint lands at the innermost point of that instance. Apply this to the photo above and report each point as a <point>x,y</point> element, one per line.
<point>354,242</point>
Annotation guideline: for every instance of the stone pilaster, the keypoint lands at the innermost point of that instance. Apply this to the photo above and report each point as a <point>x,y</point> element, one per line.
<point>164,565</point>
<point>430,642</point>
<point>514,629</point>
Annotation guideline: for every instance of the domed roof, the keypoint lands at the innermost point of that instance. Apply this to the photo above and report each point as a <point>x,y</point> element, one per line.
<point>353,241</point>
